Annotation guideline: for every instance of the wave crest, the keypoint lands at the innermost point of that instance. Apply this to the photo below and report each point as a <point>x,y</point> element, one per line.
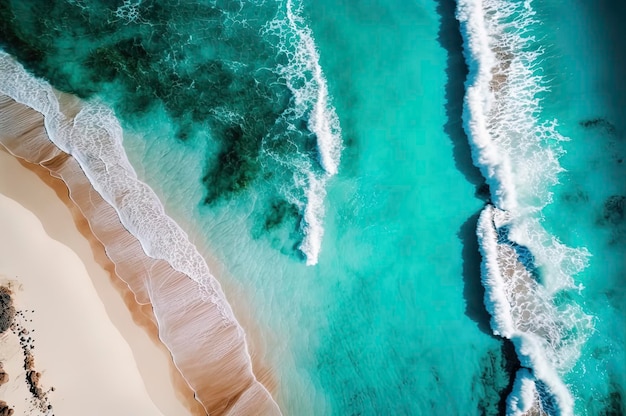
<point>303,75</point>
<point>524,267</point>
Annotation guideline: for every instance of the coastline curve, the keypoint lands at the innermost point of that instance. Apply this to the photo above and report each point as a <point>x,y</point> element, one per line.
<point>195,322</point>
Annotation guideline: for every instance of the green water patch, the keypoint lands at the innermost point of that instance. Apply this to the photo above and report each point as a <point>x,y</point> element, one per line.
<point>614,403</point>
<point>610,402</point>
<point>281,220</point>
<point>234,169</point>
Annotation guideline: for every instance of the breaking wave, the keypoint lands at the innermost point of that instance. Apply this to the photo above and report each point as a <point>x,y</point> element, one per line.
<point>524,267</point>
<point>303,76</point>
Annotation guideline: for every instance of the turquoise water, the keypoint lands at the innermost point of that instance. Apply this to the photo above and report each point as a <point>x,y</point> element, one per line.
<point>226,116</point>
<point>588,100</point>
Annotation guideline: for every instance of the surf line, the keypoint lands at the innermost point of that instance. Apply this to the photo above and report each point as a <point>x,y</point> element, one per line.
<point>311,99</point>
<point>523,266</point>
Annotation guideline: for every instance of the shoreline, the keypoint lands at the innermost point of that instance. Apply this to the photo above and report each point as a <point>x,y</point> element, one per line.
<point>41,217</point>
<point>35,190</point>
<point>222,379</point>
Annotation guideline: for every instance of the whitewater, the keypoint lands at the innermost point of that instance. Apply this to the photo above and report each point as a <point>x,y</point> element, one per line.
<point>524,267</point>
<point>305,79</point>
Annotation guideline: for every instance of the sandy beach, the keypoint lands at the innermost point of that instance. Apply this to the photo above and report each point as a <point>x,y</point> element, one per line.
<point>86,344</point>
<point>193,332</point>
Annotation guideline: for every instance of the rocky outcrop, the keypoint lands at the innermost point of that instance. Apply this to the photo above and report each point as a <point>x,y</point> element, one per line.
<point>5,410</point>
<point>7,310</point>
<point>4,376</point>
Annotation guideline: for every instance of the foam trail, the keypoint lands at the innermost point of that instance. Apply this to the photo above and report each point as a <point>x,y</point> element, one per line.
<point>525,394</point>
<point>313,217</point>
<point>518,155</point>
<point>304,77</point>
<point>323,120</point>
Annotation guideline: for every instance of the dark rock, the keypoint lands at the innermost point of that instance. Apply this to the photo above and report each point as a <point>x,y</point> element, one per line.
<point>483,192</point>
<point>32,378</point>
<point>4,377</point>
<point>7,310</point>
<point>5,410</point>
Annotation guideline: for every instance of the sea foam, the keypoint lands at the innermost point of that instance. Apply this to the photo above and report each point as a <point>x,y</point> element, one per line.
<point>303,75</point>
<point>546,338</point>
<point>523,265</point>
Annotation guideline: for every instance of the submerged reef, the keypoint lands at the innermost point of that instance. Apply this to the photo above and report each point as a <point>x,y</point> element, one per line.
<point>614,207</point>
<point>151,59</point>
<point>599,123</point>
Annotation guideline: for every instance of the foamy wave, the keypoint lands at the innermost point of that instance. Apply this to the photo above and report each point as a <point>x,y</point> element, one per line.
<point>313,95</point>
<point>313,215</point>
<point>524,395</point>
<point>304,77</point>
<point>516,151</point>
<point>547,339</point>
<point>105,163</point>
<point>518,154</point>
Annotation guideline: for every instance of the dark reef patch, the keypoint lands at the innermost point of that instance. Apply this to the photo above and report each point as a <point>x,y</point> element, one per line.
<point>144,58</point>
<point>279,212</point>
<point>496,379</point>
<point>577,197</point>
<point>613,404</point>
<point>281,221</point>
<point>511,366</point>
<point>600,124</point>
<point>613,218</point>
<point>235,167</point>
<point>613,212</point>
<point>613,139</point>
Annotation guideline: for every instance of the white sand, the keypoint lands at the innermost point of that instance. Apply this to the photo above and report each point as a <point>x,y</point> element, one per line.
<point>86,344</point>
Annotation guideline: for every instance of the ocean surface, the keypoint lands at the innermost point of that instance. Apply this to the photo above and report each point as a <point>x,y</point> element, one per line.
<point>347,166</point>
